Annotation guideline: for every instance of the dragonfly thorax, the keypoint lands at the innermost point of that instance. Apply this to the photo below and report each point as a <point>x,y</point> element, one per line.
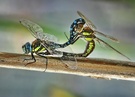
<point>88,34</point>
<point>37,46</point>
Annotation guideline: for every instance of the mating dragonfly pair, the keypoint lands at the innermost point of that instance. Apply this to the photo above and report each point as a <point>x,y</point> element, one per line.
<point>46,44</point>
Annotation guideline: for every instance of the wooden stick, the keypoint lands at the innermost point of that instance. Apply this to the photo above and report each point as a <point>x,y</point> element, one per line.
<point>93,67</point>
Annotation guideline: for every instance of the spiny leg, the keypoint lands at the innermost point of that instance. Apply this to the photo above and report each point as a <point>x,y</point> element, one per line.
<point>41,55</point>
<point>69,60</point>
<point>32,58</point>
<point>76,38</point>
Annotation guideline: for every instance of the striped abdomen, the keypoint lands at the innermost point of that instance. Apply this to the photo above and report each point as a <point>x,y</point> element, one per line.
<point>89,37</point>
<point>89,48</point>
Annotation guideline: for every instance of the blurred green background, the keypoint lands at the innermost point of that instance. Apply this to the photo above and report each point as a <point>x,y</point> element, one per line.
<point>112,17</point>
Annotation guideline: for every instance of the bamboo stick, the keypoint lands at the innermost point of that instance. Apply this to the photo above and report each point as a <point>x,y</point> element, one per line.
<point>91,67</point>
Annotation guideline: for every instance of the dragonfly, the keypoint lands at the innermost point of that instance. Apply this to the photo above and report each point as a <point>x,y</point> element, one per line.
<point>44,45</point>
<point>84,28</point>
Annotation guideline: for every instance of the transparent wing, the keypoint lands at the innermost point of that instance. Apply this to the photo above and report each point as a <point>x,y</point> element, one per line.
<point>93,27</point>
<point>68,57</point>
<point>37,31</point>
<point>101,41</point>
<point>88,22</point>
<point>70,60</point>
<point>110,37</point>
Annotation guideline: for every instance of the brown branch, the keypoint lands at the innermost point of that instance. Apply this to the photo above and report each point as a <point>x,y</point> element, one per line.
<point>96,68</point>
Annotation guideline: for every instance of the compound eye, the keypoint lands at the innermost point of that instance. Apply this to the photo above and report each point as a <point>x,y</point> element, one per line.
<point>26,48</point>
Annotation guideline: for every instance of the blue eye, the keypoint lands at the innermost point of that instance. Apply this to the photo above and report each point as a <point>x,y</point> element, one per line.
<point>27,48</point>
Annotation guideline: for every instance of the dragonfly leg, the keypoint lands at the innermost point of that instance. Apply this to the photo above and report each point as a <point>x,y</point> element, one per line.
<point>75,39</point>
<point>71,40</point>
<point>32,58</point>
<point>41,54</point>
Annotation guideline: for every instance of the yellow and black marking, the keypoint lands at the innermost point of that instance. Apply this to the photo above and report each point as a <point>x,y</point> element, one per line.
<point>89,48</point>
<point>88,36</point>
<point>37,47</point>
<point>92,33</point>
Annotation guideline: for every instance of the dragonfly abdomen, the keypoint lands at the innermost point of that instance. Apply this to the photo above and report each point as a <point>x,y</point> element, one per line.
<point>89,48</point>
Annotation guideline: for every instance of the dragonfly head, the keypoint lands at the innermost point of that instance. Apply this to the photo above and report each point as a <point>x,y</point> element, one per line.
<point>27,48</point>
<point>79,25</point>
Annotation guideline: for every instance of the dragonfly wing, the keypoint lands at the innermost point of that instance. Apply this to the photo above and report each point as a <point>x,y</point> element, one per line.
<point>107,36</point>
<point>88,22</point>
<point>101,41</point>
<point>70,61</point>
<point>91,25</point>
<point>56,54</point>
<point>46,37</point>
<point>68,57</point>
<point>37,31</point>
<point>31,26</point>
